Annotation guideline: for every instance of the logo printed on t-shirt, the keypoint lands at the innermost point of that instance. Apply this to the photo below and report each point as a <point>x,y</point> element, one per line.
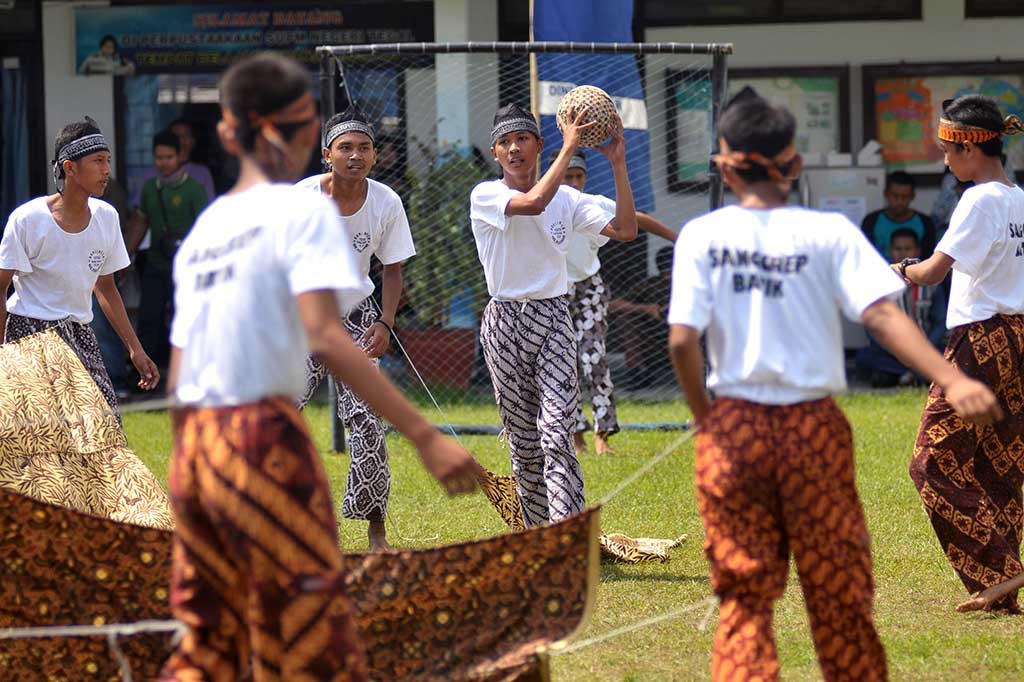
<point>96,258</point>
<point>557,231</point>
<point>361,241</point>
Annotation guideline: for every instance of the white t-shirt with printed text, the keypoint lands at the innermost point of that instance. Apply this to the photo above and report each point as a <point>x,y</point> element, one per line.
<point>56,271</point>
<point>769,286</point>
<point>236,277</point>
<point>986,239</point>
<point>379,228</point>
<point>524,257</point>
<point>581,259</point>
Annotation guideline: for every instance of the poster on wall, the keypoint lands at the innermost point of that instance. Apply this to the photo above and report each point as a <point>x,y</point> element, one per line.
<point>126,40</point>
<point>903,102</point>
<point>818,98</point>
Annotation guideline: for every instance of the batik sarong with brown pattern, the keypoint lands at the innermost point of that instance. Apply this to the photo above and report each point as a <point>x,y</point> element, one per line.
<point>485,611</point>
<point>774,480</point>
<point>970,477</point>
<point>61,443</point>
<point>256,552</point>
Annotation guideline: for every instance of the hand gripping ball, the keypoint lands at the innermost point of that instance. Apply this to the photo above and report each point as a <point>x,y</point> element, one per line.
<point>600,108</point>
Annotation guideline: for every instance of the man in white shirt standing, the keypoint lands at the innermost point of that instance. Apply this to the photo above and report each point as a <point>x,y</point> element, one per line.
<point>59,249</point>
<point>971,480</point>
<point>589,297</point>
<point>375,224</point>
<point>522,228</point>
<point>767,283</point>
<point>260,282</point>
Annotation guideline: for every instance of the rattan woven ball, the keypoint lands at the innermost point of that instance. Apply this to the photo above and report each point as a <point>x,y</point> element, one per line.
<point>600,108</point>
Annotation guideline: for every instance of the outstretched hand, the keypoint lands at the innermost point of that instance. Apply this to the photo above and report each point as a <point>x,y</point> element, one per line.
<point>572,128</point>
<point>148,372</point>
<point>450,463</point>
<point>973,401</point>
<point>615,149</point>
<point>376,339</point>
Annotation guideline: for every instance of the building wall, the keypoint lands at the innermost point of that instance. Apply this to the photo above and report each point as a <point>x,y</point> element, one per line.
<point>69,96</point>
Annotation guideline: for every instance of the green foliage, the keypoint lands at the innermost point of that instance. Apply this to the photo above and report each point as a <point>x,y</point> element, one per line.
<point>446,263</point>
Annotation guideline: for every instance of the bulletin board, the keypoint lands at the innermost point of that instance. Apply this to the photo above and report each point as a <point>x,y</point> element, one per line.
<point>902,103</point>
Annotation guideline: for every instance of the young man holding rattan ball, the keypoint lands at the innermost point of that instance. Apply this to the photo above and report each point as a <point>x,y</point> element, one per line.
<point>522,226</point>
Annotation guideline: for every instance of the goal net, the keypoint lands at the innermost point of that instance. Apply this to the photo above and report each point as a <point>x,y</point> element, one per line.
<point>433,105</point>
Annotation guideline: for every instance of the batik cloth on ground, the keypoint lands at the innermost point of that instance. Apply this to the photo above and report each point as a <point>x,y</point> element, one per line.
<point>530,350</point>
<point>369,473</point>
<point>486,611</point>
<point>970,477</point>
<point>588,305</point>
<point>60,442</point>
<point>774,480</point>
<point>501,493</point>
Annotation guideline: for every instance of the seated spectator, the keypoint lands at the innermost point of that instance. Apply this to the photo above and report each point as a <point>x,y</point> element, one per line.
<point>924,304</point>
<point>879,226</point>
<point>639,320</point>
<point>168,207</point>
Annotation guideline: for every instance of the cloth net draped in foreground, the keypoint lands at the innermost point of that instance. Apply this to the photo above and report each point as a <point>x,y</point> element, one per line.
<point>61,443</point>
<point>485,611</point>
<point>501,493</point>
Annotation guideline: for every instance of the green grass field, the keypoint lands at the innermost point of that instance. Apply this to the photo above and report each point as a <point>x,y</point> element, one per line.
<point>916,590</point>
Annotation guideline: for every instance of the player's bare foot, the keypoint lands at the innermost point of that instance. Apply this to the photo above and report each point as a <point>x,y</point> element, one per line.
<point>378,537</point>
<point>602,446</point>
<point>578,443</point>
<point>984,601</point>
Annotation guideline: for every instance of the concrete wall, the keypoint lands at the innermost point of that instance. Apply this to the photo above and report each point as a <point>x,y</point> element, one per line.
<point>69,96</point>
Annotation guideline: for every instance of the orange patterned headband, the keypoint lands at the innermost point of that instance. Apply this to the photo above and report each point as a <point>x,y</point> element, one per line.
<point>958,133</point>
<point>743,161</point>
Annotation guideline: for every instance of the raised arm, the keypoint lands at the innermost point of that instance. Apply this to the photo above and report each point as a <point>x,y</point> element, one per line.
<point>540,195</point>
<point>623,228</point>
<point>654,226</point>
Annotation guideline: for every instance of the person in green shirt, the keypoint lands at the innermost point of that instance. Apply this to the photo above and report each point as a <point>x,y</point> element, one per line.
<point>168,207</point>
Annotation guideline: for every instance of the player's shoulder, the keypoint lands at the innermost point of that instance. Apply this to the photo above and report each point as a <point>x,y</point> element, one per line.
<point>103,208</point>
<point>30,210</point>
<point>383,193</point>
<point>990,196</point>
<point>488,189</point>
<point>312,183</point>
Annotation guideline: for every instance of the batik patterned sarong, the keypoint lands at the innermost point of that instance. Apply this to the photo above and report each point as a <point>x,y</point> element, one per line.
<point>774,480</point>
<point>61,443</point>
<point>589,309</point>
<point>369,473</point>
<point>256,552</point>
<point>970,477</point>
<point>530,350</point>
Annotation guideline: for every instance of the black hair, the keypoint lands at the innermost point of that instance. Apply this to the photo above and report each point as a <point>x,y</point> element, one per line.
<point>979,111</point>
<point>900,178</point>
<point>751,124</point>
<point>165,138</point>
<point>182,121</point>
<point>108,39</point>
<point>73,131</point>
<point>663,259</point>
<point>904,232</point>
<point>260,85</point>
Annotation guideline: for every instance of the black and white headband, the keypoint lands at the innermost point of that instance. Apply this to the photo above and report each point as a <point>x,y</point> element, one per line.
<point>348,127</point>
<point>513,125</point>
<point>75,150</point>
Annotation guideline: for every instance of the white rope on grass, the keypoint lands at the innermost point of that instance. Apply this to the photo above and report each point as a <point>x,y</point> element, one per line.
<point>632,627</point>
<point>650,464</point>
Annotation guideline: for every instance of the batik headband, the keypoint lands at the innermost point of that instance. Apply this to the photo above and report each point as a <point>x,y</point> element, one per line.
<point>348,127</point>
<point>958,133</point>
<point>75,150</point>
<point>514,125</point>
<point>746,160</point>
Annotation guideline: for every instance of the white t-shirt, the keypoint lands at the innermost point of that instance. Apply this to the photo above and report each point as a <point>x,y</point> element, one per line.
<point>56,271</point>
<point>986,239</point>
<point>379,228</point>
<point>581,259</point>
<point>236,277</point>
<point>524,255</point>
<point>768,286</point>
